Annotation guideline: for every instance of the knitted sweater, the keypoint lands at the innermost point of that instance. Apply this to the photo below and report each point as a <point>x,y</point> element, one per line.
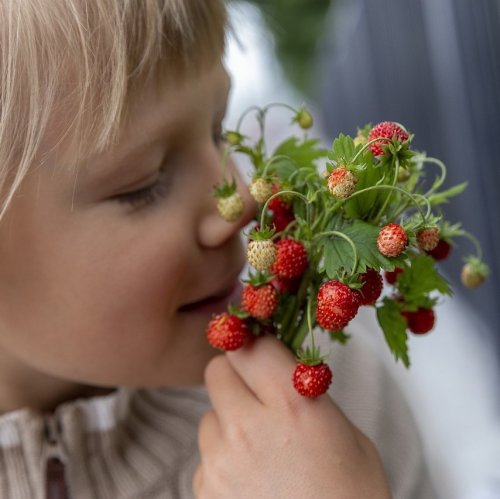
<point>142,444</point>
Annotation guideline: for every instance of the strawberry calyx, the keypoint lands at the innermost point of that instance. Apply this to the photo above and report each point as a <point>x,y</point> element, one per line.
<point>233,137</point>
<point>261,233</point>
<point>311,356</point>
<point>224,190</point>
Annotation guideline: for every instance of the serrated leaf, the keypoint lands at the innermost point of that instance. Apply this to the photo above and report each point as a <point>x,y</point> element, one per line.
<point>338,254</point>
<point>393,325</point>
<point>304,152</point>
<point>363,205</point>
<point>444,196</point>
<point>420,279</point>
<point>343,149</point>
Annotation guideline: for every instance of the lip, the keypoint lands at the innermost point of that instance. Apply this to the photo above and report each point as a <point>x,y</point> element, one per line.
<point>216,303</point>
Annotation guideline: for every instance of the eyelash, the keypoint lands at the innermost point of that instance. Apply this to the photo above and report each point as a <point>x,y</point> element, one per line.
<point>158,190</point>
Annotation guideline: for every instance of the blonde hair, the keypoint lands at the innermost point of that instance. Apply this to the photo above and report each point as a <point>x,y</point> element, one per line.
<point>93,57</point>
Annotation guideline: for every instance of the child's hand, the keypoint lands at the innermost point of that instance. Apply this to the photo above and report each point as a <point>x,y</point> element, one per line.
<point>263,440</point>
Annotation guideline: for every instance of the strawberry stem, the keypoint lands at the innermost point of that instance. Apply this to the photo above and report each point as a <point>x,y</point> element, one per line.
<point>475,242</point>
<point>367,145</point>
<point>244,114</point>
<point>294,193</point>
<point>441,179</point>
<point>402,191</point>
<point>272,160</point>
<point>395,162</point>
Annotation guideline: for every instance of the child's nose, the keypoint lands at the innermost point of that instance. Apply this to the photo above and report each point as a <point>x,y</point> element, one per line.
<point>214,230</point>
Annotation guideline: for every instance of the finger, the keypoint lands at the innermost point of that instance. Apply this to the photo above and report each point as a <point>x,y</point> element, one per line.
<point>266,366</point>
<point>197,482</point>
<point>229,395</point>
<point>209,434</point>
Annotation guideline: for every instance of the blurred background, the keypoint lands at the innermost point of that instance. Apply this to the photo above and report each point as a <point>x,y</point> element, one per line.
<point>433,65</point>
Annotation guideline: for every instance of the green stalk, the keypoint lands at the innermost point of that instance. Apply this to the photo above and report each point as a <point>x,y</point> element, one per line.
<point>388,197</point>
<point>402,191</point>
<point>295,193</point>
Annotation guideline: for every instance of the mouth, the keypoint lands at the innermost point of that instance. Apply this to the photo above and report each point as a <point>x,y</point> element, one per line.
<point>216,303</point>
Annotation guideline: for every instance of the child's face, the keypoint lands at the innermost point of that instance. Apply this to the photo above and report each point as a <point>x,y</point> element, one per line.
<point>93,279</point>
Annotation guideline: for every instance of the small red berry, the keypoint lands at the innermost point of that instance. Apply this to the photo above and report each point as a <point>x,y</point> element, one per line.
<point>260,302</point>
<point>286,285</point>
<point>386,129</point>
<point>337,304</point>
<point>282,212</point>
<point>420,321</point>
<point>392,240</point>
<point>392,276</point>
<point>441,251</point>
<point>428,238</point>
<point>291,259</point>
<point>372,287</point>
<point>312,381</point>
<point>226,332</point>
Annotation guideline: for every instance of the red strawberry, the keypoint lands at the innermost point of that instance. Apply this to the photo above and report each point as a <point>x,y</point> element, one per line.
<point>386,129</point>
<point>226,332</point>
<point>312,381</point>
<point>260,302</point>
<point>336,305</point>
<point>372,287</point>
<point>282,220</point>
<point>286,285</point>
<point>428,238</point>
<point>291,259</point>
<point>282,212</point>
<point>278,204</point>
<point>392,240</point>
<point>421,321</point>
<point>392,277</point>
<point>441,251</point>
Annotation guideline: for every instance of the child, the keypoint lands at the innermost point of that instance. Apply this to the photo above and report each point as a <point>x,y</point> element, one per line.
<point>113,258</point>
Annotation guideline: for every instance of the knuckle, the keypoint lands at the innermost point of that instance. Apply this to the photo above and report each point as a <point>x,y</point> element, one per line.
<point>215,369</point>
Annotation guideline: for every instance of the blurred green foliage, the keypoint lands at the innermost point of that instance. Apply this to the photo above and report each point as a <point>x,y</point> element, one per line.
<point>296,25</point>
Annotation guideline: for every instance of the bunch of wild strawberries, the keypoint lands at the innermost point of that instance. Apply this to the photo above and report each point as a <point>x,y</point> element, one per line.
<point>323,239</point>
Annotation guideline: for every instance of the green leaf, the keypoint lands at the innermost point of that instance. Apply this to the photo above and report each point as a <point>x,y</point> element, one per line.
<point>393,325</point>
<point>421,278</point>
<point>444,196</point>
<point>363,205</point>
<point>338,254</point>
<point>343,149</point>
<point>304,152</point>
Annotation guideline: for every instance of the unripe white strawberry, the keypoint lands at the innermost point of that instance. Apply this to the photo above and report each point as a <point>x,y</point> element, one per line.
<point>304,119</point>
<point>261,190</point>
<point>261,254</point>
<point>428,238</point>
<point>231,207</point>
<point>342,182</point>
<point>474,272</point>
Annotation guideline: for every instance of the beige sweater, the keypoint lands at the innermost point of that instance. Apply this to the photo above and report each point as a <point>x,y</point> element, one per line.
<point>141,444</point>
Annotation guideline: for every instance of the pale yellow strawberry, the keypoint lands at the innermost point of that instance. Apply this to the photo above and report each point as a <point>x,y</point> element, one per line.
<point>231,207</point>
<point>261,190</point>
<point>261,254</point>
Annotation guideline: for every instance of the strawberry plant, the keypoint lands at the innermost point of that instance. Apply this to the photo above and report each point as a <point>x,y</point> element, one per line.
<point>332,222</point>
